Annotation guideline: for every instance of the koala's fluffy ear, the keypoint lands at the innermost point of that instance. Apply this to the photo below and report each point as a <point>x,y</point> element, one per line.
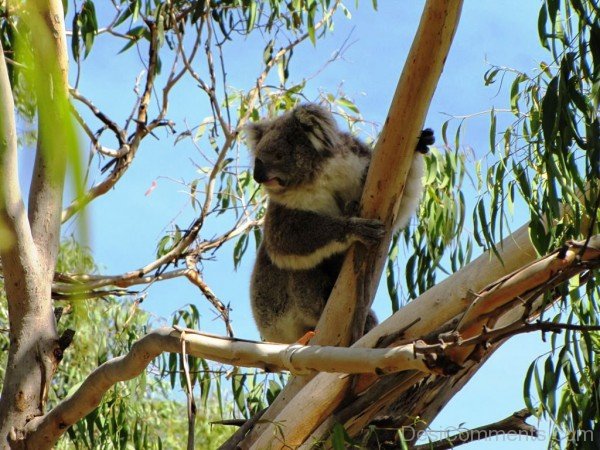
<point>254,133</point>
<point>319,125</point>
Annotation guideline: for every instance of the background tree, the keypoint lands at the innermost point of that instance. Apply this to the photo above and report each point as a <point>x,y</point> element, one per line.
<point>547,161</point>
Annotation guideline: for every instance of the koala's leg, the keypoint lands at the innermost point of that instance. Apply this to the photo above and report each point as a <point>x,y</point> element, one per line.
<point>299,240</point>
<point>271,303</point>
<point>310,289</point>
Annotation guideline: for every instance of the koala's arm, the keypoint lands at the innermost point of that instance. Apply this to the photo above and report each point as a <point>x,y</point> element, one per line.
<point>298,240</point>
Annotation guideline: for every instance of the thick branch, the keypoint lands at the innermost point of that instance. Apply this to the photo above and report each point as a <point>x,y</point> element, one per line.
<point>54,134</point>
<point>17,245</point>
<point>42,432</point>
<point>540,276</point>
<point>522,289</point>
<point>353,293</point>
<point>440,305</point>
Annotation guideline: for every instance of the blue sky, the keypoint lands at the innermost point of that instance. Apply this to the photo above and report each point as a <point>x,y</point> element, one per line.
<point>125,225</point>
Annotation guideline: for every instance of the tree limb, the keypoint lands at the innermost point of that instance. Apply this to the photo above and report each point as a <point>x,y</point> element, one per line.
<point>512,425</point>
<point>51,84</point>
<point>42,432</point>
<point>14,226</point>
<point>472,352</point>
<point>542,275</point>
<point>122,164</point>
<point>350,299</point>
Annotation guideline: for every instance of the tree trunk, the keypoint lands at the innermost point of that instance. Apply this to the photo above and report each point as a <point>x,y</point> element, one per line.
<point>29,258</point>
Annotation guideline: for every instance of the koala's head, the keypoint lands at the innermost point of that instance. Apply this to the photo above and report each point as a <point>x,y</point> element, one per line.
<point>289,150</point>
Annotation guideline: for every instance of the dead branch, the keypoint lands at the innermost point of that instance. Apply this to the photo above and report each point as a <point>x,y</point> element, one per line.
<point>194,277</point>
<point>514,425</point>
<point>119,133</point>
<point>473,351</point>
<point>122,164</point>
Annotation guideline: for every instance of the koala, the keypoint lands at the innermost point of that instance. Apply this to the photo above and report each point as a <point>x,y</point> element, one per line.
<point>313,175</point>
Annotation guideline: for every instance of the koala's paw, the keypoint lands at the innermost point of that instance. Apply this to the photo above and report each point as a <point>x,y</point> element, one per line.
<point>367,231</point>
<point>427,138</point>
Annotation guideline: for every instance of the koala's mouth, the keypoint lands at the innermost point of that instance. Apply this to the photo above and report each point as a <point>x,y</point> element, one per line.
<point>274,182</point>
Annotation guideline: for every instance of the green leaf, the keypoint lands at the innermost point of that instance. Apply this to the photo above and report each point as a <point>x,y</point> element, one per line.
<point>550,110</point>
<point>542,20</point>
<point>527,388</point>
<point>268,52</point>
<point>492,131</point>
<point>346,103</point>
<point>132,11</point>
<point>240,248</point>
<point>136,34</point>
<point>490,76</point>
<point>515,94</point>
<point>76,36</point>
<point>89,27</point>
<point>339,437</point>
<point>252,13</point>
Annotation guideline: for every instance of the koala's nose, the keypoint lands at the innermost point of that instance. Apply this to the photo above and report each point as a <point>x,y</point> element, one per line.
<point>260,171</point>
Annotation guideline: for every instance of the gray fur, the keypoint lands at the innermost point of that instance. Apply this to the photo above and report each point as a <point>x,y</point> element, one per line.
<point>313,173</point>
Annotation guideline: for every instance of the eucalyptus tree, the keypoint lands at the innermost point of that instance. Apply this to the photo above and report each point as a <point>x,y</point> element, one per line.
<point>406,369</point>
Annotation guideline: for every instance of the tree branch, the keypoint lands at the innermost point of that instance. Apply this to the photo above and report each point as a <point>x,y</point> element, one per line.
<point>529,281</point>
<point>42,432</point>
<point>55,136</point>
<point>349,301</point>
<point>512,425</point>
<point>542,275</point>
<point>194,277</point>
<point>17,249</point>
<point>122,163</point>
<point>109,123</point>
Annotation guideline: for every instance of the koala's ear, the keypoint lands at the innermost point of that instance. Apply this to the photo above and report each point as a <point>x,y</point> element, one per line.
<point>255,132</point>
<point>318,124</point>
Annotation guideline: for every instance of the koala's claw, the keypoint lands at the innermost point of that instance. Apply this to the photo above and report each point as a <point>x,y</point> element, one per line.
<point>367,231</point>
<point>427,138</point>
